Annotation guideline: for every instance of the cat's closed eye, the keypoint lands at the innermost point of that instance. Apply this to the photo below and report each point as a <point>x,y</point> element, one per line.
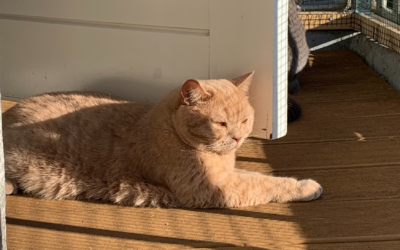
<point>221,124</point>
<point>244,121</point>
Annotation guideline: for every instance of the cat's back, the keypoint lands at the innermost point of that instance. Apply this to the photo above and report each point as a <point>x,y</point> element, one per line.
<point>65,127</point>
<point>53,106</point>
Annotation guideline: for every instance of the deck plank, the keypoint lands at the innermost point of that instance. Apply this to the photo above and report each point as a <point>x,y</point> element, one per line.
<point>348,139</point>
<point>322,155</point>
<point>359,129</point>
<point>342,92</point>
<point>323,222</point>
<point>6,105</point>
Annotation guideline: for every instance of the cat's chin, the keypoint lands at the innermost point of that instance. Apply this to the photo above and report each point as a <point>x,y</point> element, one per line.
<point>222,151</point>
<point>230,151</point>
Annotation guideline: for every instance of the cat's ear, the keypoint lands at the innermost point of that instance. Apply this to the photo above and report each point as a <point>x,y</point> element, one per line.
<point>243,82</point>
<point>192,92</point>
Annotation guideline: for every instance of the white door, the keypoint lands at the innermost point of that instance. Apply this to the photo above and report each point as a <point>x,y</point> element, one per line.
<point>141,49</point>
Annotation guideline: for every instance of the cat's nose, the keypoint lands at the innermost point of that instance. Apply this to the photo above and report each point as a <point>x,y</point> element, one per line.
<point>237,138</point>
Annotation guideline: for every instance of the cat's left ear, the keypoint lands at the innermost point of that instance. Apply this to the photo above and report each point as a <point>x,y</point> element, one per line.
<point>192,93</point>
<point>243,82</point>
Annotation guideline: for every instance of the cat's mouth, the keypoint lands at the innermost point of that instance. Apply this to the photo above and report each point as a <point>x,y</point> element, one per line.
<point>222,147</point>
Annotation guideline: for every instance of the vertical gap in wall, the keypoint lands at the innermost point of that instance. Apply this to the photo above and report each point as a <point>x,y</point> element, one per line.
<point>209,39</point>
<point>3,245</point>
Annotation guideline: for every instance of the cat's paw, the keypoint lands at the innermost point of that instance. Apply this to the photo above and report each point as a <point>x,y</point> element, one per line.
<point>10,188</point>
<point>308,190</point>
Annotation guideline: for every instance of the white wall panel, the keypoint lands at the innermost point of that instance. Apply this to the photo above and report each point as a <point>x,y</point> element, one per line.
<point>39,57</point>
<point>170,13</point>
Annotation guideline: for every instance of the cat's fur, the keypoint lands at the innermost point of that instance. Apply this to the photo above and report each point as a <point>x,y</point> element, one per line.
<point>177,153</point>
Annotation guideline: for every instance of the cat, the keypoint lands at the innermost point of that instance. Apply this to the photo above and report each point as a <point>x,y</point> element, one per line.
<point>179,152</point>
<point>298,52</point>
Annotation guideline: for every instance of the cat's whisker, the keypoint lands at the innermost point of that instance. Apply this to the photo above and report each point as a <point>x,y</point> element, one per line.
<point>252,98</point>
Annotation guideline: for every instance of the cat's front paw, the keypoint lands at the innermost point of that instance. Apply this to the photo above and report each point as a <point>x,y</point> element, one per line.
<point>10,188</point>
<point>308,190</point>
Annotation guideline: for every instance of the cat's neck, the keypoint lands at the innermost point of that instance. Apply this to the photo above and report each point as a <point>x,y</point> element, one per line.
<point>161,119</point>
<point>158,123</point>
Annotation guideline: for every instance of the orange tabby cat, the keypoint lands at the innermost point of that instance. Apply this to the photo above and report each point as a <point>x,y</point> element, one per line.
<point>177,153</point>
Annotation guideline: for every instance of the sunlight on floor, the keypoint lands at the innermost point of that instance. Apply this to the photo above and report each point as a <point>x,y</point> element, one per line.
<point>94,225</point>
<point>359,136</point>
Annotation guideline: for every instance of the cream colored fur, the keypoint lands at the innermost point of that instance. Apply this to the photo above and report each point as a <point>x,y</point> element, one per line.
<point>177,153</point>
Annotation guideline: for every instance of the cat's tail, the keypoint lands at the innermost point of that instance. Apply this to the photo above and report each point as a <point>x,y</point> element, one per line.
<point>143,195</point>
<point>294,109</point>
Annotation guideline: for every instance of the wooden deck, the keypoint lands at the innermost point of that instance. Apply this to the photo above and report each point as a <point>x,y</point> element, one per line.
<point>348,139</point>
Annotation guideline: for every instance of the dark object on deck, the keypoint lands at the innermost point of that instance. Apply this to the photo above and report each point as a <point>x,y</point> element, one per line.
<point>298,50</point>
<point>298,53</point>
<point>294,109</point>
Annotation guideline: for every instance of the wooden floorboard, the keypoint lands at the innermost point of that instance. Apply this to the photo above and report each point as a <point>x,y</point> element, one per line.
<point>356,245</point>
<point>345,91</point>
<point>359,129</point>
<point>322,155</point>
<point>5,105</point>
<point>355,108</point>
<point>348,139</point>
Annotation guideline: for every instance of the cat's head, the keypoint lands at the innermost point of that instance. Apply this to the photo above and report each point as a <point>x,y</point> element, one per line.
<point>215,115</point>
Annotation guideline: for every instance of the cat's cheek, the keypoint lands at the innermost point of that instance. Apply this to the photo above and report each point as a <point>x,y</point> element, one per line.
<point>220,134</point>
<point>248,129</point>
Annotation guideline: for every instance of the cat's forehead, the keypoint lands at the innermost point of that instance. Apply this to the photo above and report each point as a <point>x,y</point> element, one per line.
<point>228,100</point>
<point>221,88</point>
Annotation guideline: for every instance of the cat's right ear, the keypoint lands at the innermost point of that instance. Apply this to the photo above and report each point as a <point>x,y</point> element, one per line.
<point>192,92</point>
<point>243,82</point>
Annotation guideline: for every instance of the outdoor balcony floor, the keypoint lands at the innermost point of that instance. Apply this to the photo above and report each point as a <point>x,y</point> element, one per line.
<point>348,139</point>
